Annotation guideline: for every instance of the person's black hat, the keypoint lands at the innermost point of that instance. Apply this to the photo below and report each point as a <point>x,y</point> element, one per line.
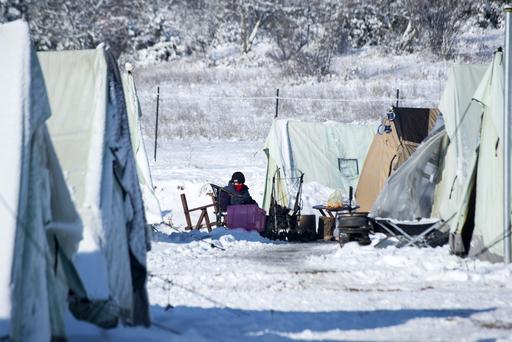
<point>238,177</point>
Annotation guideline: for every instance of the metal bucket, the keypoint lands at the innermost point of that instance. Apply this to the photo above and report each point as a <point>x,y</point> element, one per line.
<point>353,227</point>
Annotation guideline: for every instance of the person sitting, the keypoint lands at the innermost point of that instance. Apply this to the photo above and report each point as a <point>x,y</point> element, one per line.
<point>236,192</point>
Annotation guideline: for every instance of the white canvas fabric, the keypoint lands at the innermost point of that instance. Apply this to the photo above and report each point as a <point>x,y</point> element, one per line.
<point>77,128</point>
<point>330,153</point>
<point>37,216</point>
<point>487,238</point>
<point>89,127</point>
<point>473,108</point>
<point>462,122</point>
<point>151,203</point>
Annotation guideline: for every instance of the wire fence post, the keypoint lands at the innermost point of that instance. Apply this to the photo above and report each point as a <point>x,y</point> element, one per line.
<point>156,119</point>
<point>277,103</point>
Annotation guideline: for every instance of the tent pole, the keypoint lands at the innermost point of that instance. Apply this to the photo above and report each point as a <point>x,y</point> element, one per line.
<point>506,135</point>
<point>156,120</point>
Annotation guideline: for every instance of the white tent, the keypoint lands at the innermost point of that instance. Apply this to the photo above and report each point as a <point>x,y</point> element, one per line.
<point>462,122</point>
<point>487,237</point>
<point>89,127</point>
<point>40,228</point>
<point>329,153</point>
<point>469,194</point>
<point>151,204</point>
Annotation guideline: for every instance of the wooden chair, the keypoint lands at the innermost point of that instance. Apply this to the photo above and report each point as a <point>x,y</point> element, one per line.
<point>219,215</point>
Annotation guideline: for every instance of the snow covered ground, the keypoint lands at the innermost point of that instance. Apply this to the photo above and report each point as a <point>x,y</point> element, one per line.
<point>232,285</point>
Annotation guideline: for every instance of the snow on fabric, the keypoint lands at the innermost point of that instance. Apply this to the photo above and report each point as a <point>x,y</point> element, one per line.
<point>37,216</point>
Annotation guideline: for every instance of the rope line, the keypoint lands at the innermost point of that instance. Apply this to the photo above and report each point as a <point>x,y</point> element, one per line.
<point>502,236</point>
<point>194,292</point>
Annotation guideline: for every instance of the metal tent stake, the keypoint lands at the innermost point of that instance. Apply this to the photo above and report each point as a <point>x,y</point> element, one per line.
<point>506,135</point>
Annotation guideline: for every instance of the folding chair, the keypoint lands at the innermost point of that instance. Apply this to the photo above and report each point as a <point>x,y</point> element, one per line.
<point>220,215</point>
<point>203,216</point>
<point>407,233</point>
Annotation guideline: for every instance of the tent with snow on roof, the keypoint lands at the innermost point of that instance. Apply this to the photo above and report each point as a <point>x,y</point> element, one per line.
<point>40,227</point>
<point>329,153</point>
<point>408,127</point>
<point>90,130</point>
<point>151,203</point>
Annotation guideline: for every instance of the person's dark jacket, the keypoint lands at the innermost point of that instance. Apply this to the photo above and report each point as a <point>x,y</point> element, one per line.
<point>232,197</point>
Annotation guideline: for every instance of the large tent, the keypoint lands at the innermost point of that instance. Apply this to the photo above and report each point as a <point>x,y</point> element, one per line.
<point>470,194</point>
<point>40,228</point>
<point>90,130</point>
<point>151,203</point>
<point>329,153</point>
<point>465,188</point>
<point>462,121</point>
<point>389,150</point>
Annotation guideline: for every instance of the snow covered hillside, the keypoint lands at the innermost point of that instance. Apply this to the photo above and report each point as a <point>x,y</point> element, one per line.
<point>234,98</point>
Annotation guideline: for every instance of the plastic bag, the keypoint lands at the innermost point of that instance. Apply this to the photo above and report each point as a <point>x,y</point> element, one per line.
<point>335,200</point>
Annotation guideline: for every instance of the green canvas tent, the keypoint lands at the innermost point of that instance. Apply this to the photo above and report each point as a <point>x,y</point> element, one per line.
<point>462,118</point>
<point>329,153</point>
<point>468,189</point>
<point>151,203</point>
<point>471,190</point>
<point>89,128</point>
<point>40,228</point>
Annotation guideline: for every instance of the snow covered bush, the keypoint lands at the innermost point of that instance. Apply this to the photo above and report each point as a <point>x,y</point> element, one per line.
<point>304,34</point>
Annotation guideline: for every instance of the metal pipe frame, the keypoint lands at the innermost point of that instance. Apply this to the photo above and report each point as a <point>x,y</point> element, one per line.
<point>506,135</point>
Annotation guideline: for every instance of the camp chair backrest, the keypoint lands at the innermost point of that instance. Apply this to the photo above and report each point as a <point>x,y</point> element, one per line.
<point>219,197</point>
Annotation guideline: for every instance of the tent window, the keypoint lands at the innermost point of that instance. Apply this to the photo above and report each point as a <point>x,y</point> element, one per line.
<point>348,167</point>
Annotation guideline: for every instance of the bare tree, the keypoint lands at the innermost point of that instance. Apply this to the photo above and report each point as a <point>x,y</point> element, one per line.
<point>437,23</point>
